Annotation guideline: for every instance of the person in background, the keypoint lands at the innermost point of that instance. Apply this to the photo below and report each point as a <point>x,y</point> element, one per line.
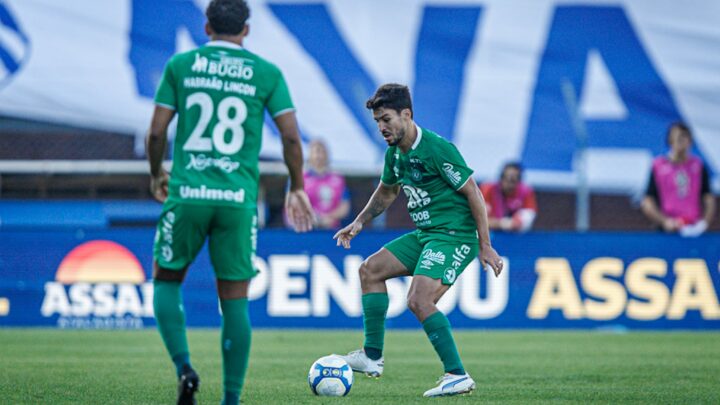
<point>326,189</point>
<point>678,197</point>
<point>511,203</point>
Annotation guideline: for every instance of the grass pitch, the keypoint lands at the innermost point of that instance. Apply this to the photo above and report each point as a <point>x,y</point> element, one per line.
<point>107,367</point>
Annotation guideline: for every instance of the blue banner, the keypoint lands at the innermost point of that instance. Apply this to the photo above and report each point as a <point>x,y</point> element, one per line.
<point>487,75</point>
<point>101,279</point>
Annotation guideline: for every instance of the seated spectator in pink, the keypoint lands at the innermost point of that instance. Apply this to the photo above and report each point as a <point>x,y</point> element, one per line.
<point>678,197</point>
<point>326,189</point>
<point>510,203</point>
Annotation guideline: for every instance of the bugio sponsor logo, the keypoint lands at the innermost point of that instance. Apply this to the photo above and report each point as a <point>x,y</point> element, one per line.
<point>14,45</point>
<point>99,284</point>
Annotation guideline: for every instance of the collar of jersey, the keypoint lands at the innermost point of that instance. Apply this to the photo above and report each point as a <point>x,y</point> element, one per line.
<point>224,44</point>
<point>419,137</point>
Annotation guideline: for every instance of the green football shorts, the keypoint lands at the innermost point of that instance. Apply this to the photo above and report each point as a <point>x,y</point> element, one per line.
<point>232,234</point>
<point>435,258</point>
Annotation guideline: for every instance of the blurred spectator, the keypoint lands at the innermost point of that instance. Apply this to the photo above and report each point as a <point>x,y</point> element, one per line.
<point>326,189</point>
<point>679,183</point>
<point>511,204</point>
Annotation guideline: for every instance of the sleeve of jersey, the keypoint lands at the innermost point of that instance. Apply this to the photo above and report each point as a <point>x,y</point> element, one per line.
<point>165,95</point>
<point>705,181</point>
<point>651,189</point>
<point>279,101</point>
<point>388,175</point>
<point>529,202</point>
<point>451,165</point>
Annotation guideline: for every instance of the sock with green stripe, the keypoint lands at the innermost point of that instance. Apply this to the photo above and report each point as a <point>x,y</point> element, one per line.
<point>437,328</point>
<point>170,318</point>
<point>235,344</point>
<point>375,306</point>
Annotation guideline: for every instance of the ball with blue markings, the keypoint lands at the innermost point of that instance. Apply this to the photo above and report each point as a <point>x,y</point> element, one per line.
<point>330,376</point>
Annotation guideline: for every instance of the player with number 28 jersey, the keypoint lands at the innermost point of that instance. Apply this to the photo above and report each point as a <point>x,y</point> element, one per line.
<point>223,90</point>
<point>219,93</point>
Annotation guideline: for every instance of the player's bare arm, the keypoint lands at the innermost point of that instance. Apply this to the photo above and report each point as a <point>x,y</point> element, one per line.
<point>651,210</point>
<point>297,203</point>
<point>155,144</point>
<point>488,255</point>
<point>709,207</point>
<point>381,199</point>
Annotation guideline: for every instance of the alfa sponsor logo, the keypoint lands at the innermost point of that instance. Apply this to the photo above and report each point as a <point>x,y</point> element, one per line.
<point>459,255</point>
<point>99,284</point>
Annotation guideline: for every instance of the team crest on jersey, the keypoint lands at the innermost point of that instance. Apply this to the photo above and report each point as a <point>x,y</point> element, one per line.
<point>682,184</point>
<point>415,174</point>
<point>14,46</point>
<point>450,275</point>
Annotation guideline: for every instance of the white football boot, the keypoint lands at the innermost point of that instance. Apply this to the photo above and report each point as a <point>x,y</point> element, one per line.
<point>451,384</point>
<point>361,363</point>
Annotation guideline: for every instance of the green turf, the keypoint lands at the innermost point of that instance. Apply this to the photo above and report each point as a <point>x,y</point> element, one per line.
<point>100,367</point>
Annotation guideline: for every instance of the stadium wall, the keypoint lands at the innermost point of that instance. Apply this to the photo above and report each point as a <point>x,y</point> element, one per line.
<point>78,278</point>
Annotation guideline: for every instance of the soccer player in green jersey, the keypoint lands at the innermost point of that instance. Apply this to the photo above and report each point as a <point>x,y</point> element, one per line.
<point>219,92</point>
<point>452,227</point>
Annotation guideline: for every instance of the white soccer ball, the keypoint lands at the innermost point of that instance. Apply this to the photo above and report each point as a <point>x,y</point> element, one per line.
<point>330,376</point>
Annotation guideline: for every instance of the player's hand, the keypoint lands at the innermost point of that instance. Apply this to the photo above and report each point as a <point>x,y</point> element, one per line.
<point>159,186</point>
<point>299,210</point>
<point>489,257</point>
<point>694,230</point>
<point>671,225</point>
<point>344,235</point>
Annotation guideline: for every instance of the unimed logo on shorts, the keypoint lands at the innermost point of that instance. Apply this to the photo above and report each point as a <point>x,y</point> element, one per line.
<point>99,284</point>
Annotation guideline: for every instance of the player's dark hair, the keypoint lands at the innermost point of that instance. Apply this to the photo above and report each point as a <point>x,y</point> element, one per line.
<point>512,165</point>
<point>680,126</point>
<point>391,95</point>
<point>227,17</point>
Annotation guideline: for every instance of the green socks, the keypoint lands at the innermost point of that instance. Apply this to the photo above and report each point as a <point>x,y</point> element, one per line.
<point>235,337</point>
<point>375,306</point>
<point>235,345</point>
<point>437,328</point>
<point>170,318</point>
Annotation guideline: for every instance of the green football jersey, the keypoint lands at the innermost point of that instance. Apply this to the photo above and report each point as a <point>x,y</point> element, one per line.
<point>430,174</point>
<point>220,92</point>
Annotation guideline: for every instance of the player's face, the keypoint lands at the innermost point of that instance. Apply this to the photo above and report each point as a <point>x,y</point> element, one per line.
<point>679,140</point>
<point>318,155</point>
<point>510,180</point>
<point>391,124</point>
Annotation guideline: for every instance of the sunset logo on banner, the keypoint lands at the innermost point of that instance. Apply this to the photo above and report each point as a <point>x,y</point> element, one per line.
<point>99,284</point>
<point>14,45</point>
